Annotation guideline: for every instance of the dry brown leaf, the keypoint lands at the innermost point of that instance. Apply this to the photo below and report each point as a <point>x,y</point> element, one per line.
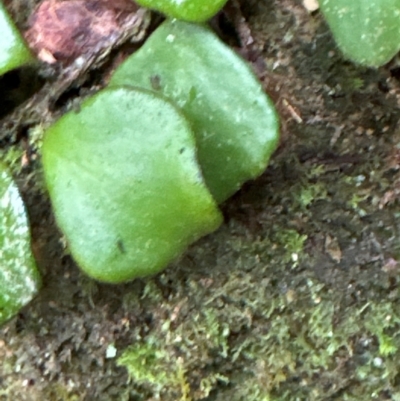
<point>332,248</point>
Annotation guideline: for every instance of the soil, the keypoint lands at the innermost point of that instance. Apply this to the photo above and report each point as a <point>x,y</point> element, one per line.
<point>295,297</point>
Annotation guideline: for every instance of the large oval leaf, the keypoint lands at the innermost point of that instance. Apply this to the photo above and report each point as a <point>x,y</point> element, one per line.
<point>235,123</point>
<point>125,185</point>
<point>13,51</point>
<point>367,31</point>
<point>19,278</point>
<point>188,10</point>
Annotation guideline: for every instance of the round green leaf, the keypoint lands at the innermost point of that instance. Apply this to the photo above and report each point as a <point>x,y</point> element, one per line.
<point>234,121</point>
<point>188,10</point>
<point>366,31</point>
<point>125,185</point>
<point>13,51</point>
<point>19,278</point>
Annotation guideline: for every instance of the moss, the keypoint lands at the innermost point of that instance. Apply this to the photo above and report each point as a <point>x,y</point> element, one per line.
<point>148,365</point>
<point>36,135</point>
<point>58,392</point>
<point>23,391</point>
<point>292,242</point>
<point>311,193</point>
<point>151,367</point>
<point>260,325</point>
<point>12,158</point>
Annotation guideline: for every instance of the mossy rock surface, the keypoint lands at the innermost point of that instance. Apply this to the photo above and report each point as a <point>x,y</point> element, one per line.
<point>295,297</point>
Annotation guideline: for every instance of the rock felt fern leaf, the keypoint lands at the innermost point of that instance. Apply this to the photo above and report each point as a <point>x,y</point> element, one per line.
<point>19,278</point>
<point>125,185</point>
<point>125,173</point>
<point>13,51</point>
<point>234,121</point>
<point>187,10</point>
<point>367,31</point>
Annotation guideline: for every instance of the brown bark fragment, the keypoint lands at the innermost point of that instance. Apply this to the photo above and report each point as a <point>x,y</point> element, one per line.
<point>64,30</point>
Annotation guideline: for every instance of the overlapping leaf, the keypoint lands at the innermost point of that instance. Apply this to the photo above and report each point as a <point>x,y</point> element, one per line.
<point>234,121</point>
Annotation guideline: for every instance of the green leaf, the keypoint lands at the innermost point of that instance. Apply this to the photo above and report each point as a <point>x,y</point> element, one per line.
<point>234,121</point>
<point>367,31</point>
<point>188,10</point>
<point>19,278</point>
<point>13,51</point>
<point>125,185</point>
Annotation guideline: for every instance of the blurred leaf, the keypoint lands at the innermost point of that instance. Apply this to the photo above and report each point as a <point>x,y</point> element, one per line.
<point>367,31</point>
<point>188,10</point>
<point>13,51</point>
